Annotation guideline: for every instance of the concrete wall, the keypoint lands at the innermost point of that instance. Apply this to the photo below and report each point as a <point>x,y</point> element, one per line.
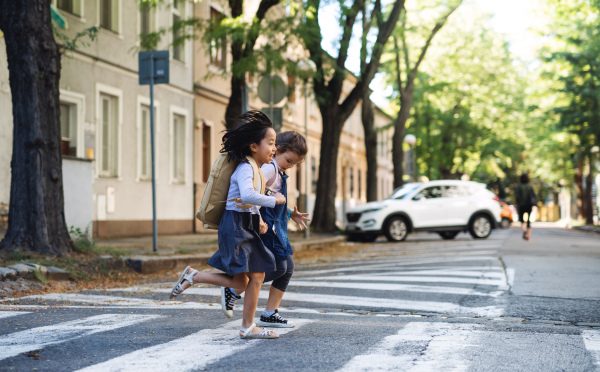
<point>77,185</point>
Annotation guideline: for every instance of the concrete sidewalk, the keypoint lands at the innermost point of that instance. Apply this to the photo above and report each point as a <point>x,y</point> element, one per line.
<point>175,252</point>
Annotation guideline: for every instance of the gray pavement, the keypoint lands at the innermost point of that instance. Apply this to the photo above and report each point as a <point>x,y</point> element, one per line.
<point>498,304</point>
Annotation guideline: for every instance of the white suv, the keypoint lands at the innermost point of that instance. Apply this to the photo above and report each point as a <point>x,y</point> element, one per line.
<point>446,207</point>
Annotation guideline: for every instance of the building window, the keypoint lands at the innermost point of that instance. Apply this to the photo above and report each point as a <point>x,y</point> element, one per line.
<point>178,44</point>
<point>206,140</point>
<point>68,129</point>
<point>145,142</point>
<point>70,6</point>
<point>359,185</point>
<point>291,96</point>
<point>351,182</point>
<point>146,22</point>
<point>218,47</point>
<point>109,135</point>
<point>109,15</point>
<point>313,173</point>
<point>178,148</point>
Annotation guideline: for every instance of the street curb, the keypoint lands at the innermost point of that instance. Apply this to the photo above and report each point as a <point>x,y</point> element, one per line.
<point>587,229</point>
<point>26,270</point>
<point>154,264</point>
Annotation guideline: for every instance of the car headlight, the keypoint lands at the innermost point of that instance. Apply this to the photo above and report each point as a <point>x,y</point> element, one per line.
<point>371,210</point>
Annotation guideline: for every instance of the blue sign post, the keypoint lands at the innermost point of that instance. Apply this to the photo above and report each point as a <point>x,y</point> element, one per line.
<point>153,69</point>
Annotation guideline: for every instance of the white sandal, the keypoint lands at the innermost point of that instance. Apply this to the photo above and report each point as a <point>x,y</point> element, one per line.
<point>178,288</point>
<point>264,334</point>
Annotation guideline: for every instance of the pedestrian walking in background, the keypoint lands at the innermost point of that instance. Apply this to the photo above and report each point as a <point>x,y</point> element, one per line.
<point>291,149</point>
<point>242,256</point>
<point>525,200</point>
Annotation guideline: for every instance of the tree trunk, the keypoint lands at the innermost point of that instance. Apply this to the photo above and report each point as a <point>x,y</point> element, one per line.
<point>579,187</point>
<point>36,220</point>
<point>398,139</point>
<point>324,216</point>
<point>234,106</point>
<point>589,182</point>
<point>368,120</point>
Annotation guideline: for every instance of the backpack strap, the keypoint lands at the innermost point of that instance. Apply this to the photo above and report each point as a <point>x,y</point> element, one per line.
<point>272,180</point>
<point>258,173</point>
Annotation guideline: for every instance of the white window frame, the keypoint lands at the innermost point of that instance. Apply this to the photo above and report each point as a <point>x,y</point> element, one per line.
<point>174,110</point>
<point>153,21</point>
<point>106,89</point>
<point>182,13</point>
<point>119,30</point>
<point>145,101</point>
<point>77,100</point>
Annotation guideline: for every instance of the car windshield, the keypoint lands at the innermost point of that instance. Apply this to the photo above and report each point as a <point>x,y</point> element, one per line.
<point>404,190</point>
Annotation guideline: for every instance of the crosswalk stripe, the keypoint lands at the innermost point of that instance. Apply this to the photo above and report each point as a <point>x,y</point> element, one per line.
<point>8,314</point>
<point>399,277</point>
<point>40,337</point>
<point>192,352</point>
<point>419,347</point>
<point>591,339</point>
<point>396,287</point>
<point>369,302</point>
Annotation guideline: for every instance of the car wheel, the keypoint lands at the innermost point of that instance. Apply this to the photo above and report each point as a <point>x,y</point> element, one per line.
<point>505,223</point>
<point>480,226</point>
<point>447,235</point>
<point>396,229</point>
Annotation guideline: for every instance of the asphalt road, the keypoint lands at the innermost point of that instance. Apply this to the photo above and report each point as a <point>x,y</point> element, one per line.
<point>499,304</point>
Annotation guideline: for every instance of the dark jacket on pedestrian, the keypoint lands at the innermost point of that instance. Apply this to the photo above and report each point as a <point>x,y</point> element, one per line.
<point>524,194</point>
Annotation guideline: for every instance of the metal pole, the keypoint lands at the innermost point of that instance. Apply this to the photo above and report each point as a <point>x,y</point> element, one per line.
<point>306,231</point>
<point>154,225</point>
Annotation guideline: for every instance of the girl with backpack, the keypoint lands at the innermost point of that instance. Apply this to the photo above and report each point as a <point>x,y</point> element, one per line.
<point>242,256</point>
<point>291,150</point>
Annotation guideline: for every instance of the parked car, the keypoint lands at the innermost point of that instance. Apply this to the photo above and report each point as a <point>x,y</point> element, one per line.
<point>506,214</point>
<point>447,207</point>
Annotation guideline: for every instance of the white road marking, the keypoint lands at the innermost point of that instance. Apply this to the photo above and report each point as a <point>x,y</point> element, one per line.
<point>591,339</point>
<point>420,347</point>
<point>8,314</point>
<point>401,262</point>
<point>398,277</point>
<point>396,287</point>
<point>368,302</point>
<point>449,272</point>
<point>40,337</point>
<point>193,352</point>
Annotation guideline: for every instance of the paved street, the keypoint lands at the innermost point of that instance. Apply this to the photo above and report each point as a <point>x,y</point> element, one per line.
<point>500,304</point>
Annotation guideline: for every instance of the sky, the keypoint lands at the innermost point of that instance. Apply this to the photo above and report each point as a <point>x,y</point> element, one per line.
<point>513,18</point>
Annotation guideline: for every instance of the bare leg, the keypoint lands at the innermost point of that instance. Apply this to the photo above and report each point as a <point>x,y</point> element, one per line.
<point>275,296</point>
<point>218,279</point>
<point>251,300</point>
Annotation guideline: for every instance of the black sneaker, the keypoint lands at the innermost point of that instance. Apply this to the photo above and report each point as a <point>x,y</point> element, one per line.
<point>274,321</point>
<point>228,300</point>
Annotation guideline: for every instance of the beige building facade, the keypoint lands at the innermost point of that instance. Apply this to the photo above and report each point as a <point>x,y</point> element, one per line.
<point>107,112</point>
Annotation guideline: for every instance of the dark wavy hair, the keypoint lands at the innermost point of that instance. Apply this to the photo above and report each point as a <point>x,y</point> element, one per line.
<point>291,141</point>
<point>251,128</point>
<point>524,178</point>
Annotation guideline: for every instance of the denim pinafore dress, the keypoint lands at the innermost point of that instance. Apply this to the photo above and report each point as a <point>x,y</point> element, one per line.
<point>276,239</point>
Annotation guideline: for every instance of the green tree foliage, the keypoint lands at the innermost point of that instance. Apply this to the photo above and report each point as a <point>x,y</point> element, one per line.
<point>571,64</point>
<point>469,112</point>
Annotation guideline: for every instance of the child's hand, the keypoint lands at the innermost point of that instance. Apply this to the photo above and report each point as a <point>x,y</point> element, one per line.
<point>262,227</point>
<point>299,218</point>
<point>279,198</point>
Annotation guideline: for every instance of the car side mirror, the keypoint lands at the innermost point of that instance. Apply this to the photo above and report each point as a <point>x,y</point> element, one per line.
<point>418,197</point>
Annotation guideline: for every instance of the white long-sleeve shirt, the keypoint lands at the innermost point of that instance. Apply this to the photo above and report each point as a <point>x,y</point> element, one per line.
<point>271,171</point>
<point>240,186</point>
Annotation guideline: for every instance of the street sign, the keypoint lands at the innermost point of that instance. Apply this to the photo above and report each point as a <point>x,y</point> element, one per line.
<point>271,89</point>
<point>58,18</point>
<point>160,64</point>
<point>153,69</point>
